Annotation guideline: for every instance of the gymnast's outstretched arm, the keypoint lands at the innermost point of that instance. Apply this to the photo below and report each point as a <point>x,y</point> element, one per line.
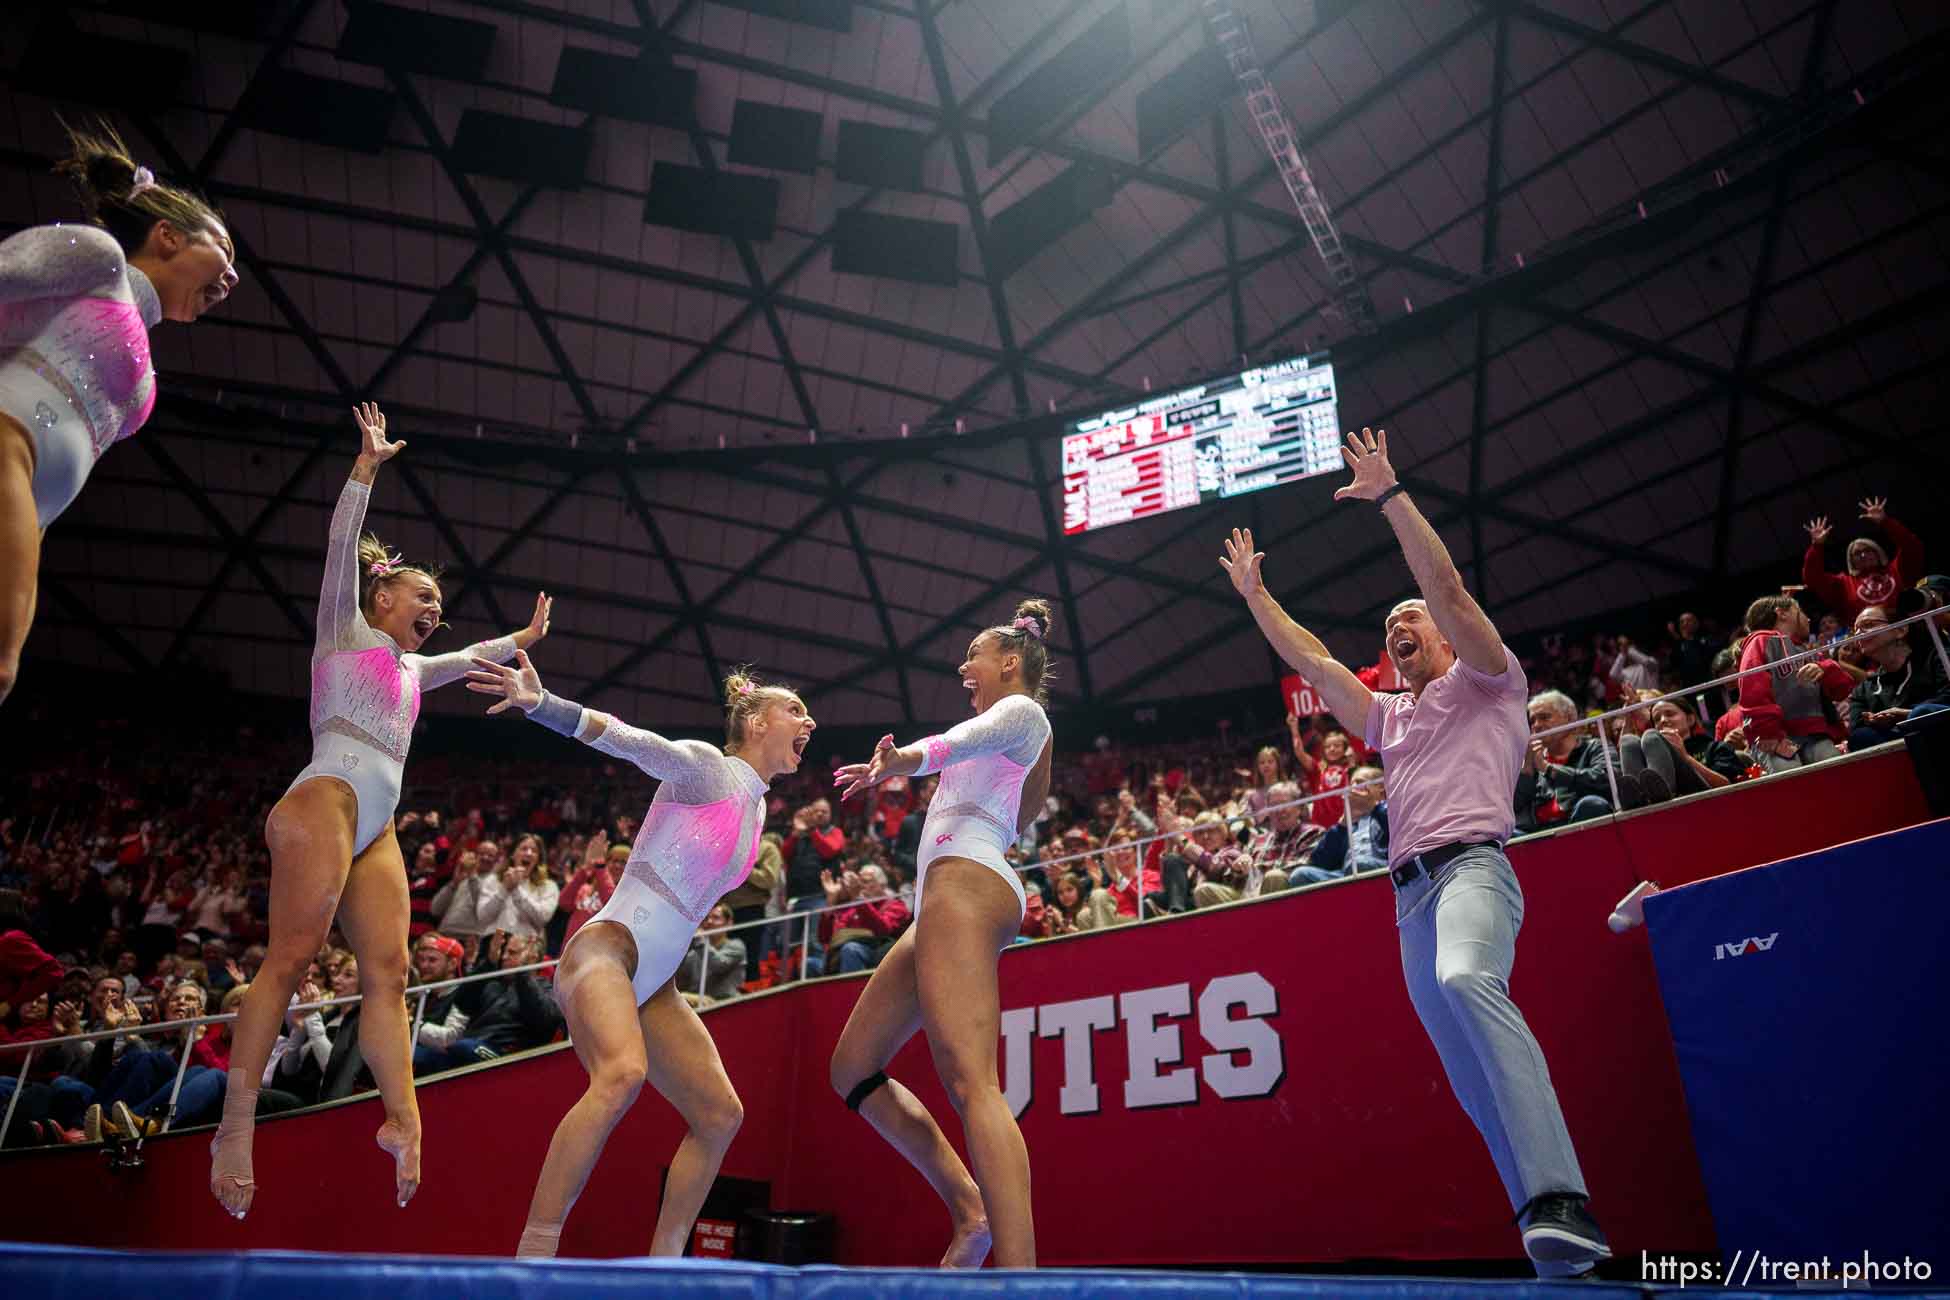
<point>691,764</point>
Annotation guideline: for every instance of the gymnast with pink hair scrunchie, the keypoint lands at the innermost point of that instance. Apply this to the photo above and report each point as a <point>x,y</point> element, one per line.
<point>331,838</point>
<point>616,982</point>
<point>77,302</point>
<point>968,906</point>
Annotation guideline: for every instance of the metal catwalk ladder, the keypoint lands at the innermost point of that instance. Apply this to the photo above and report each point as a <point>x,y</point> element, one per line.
<point>1276,132</point>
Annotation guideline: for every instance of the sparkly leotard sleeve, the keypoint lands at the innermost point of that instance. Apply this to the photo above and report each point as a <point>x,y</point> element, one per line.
<point>74,352</point>
<point>983,762</point>
<point>365,694</point>
<point>699,838</point>
<point>697,843</point>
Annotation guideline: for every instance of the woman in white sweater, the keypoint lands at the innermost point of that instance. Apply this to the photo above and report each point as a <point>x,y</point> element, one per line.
<point>457,906</point>
<point>524,897</point>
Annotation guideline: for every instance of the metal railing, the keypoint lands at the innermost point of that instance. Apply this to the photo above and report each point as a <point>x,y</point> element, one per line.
<point>805,920</point>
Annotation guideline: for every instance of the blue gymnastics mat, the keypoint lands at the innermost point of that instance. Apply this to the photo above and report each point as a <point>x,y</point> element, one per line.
<point>70,1273</point>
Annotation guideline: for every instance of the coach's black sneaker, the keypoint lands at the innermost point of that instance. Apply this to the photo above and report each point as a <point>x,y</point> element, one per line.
<point>1558,1234</point>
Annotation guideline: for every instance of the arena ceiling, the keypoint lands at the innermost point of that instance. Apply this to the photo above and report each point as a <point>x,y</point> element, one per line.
<point>1652,283</point>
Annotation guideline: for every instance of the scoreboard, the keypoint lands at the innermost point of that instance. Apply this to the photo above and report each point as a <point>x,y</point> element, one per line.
<point>1253,430</point>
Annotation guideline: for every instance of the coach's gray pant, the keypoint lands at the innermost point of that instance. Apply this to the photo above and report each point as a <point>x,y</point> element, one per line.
<point>1459,940</point>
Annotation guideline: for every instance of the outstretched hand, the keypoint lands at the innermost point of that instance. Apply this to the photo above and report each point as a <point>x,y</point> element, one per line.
<point>372,431</point>
<point>1875,509</point>
<point>538,625</point>
<point>1241,563</point>
<point>1818,529</point>
<point>1366,453</point>
<point>519,686</point>
<point>856,777</point>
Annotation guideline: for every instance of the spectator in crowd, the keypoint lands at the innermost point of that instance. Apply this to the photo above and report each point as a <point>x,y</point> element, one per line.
<point>1322,775</point>
<point>809,850</point>
<point>1685,762</point>
<point>1059,915</point>
<point>1691,659</point>
<point>907,844</point>
<point>1632,668</point>
<point>423,881</point>
<point>26,971</point>
<point>1872,577</point>
<point>714,965</point>
<point>516,1012</point>
<point>860,935</point>
<point>746,903</point>
<point>318,1058</point>
<point>1194,862</point>
<point>216,908</point>
<point>1223,877</point>
<point>1267,772</point>
<point>593,882</point>
<point>1725,663</point>
<point>201,1098</point>
<point>1116,887</point>
<point>457,907</point>
<point>1882,699</point>
<point>439,1044</point>
<point>527,896</point>
<point>1929,689</point>
<point>50,1105</point>
<point>1281,844</point>
<point>1788,712</point>
<point>1354,846</point>
<point>1564,777</point>
<point>302,1053</point>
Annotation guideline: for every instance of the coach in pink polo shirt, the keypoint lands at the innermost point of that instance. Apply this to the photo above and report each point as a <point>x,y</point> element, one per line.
<point>1452,746</point>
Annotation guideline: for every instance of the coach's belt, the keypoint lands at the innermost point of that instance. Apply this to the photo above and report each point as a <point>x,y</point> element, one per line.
<point>1427,864</point>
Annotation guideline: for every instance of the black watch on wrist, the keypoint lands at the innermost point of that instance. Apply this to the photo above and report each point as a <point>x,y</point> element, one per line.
<point>1382,500</point>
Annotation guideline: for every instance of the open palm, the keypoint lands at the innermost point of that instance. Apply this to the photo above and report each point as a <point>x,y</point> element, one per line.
<point>519,686</point>
<point>372,429</point>
<point>1366,453</point>
<point>1241,563</point>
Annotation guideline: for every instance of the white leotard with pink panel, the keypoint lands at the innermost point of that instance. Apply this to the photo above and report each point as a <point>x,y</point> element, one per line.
<point>74,352</point>
<point>365,691</point>
<point>697,843</point>
<point>983,762</point>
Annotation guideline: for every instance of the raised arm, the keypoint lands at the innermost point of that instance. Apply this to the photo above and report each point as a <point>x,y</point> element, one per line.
<point>1908,560</point>
<point>1345,695</point>
<point>690,763</point>
<point>1828,588</point>
<point>338,597</point>
<point>1454,610</point>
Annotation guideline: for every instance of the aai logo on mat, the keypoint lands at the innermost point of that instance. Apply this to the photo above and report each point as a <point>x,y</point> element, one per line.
<point>1741,947</point>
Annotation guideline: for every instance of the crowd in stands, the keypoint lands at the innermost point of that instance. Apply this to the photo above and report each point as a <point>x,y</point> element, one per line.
<point>134,882</point>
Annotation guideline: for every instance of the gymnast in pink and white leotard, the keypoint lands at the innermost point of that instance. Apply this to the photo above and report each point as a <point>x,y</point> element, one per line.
<point>614,982</point>
<point>365,692</point>
<point>74,352</point>
<point>77,303</point>
<point>982,762</point>
<point>697,843</point>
